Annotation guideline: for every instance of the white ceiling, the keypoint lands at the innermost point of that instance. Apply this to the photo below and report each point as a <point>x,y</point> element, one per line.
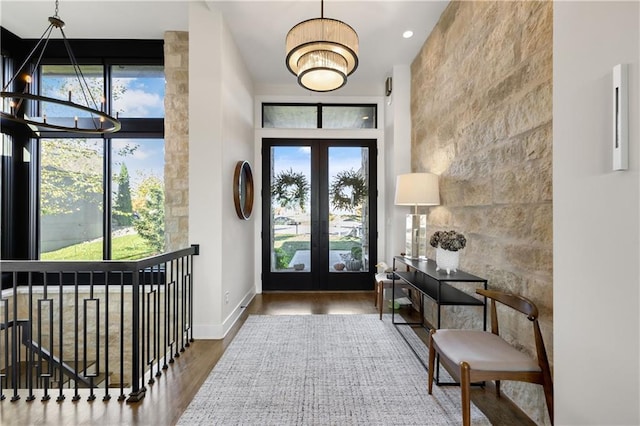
<point>258,27</point>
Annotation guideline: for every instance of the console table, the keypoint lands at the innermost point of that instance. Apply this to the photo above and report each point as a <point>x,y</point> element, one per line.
<point>421,275</point>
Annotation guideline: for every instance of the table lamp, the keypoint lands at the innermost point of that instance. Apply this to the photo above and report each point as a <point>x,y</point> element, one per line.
<point>417,189</point>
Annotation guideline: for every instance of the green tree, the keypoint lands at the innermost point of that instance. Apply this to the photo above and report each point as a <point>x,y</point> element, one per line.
<point>149,205</point>
<point>122,208</point>
<point>71,173</point>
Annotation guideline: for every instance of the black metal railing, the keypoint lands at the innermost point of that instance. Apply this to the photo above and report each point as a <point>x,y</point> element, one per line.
<point>98,325</point>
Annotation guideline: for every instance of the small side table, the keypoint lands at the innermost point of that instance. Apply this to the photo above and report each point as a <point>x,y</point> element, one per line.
<point>381,282</point>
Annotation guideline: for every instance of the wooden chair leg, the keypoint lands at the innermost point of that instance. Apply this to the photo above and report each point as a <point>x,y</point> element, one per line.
<point>465,388</point>
<point>380,296</point>
<point>432,358</point>
<point>377,295</point>
<point>548,395</point>
<point>498,388</point>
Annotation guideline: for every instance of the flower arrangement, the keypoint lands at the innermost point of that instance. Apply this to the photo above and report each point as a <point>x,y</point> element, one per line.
<point>448,240</point>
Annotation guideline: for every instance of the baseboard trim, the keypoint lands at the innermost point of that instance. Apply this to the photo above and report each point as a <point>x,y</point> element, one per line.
<point>234,316</point>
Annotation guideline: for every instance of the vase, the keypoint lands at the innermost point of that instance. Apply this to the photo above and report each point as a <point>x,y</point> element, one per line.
<point>447,260</point>
<point>354,265</point>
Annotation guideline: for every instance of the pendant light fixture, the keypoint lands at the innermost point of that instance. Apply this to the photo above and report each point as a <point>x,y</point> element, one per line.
<point>322,52</point>
<point>89,117</point>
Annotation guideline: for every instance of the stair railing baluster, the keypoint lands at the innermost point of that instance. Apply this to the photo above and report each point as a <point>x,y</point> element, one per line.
<point>137,392</point>
<point>176,304</point>
<point>122,396</point>
<point>96,339</point>
<point>167,319</point>
<point>190,299</point>
<point>157,338</point>
<point>170,309</point>
<point>76,349</point>
<point>150,303</point>
<point>106,396</point>
<point>5,338</point>
<point>182,303</point>
<point>60,397</point>
<point>14,342</point>
<point>29,334</point>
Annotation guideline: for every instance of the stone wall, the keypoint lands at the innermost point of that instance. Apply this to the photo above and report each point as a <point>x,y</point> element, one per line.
<point>176,145</point>
<point>481,112</point>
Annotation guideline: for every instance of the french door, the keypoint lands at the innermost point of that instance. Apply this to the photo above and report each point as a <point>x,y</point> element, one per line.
<point>319,214</point>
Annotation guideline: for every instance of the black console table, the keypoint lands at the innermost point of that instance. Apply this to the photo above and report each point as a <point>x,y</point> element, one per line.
<point>422,277</point>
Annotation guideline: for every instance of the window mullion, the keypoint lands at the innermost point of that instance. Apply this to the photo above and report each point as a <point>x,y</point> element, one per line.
<point>106,200</point>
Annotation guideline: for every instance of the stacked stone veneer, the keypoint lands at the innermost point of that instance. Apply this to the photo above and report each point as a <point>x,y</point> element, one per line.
<point>481,119</point>
<point>176,131</point>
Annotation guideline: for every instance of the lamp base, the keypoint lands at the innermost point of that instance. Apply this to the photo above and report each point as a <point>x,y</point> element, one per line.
<point>416,236</point>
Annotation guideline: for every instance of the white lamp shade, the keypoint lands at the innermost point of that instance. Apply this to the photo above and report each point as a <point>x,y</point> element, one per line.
<point>417,189</point>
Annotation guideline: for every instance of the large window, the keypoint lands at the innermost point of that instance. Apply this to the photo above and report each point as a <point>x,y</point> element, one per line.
<point>137,214</point>
<point>104,198</point>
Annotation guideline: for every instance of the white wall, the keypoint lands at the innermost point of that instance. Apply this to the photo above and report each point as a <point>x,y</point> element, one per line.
<point>220,134</point>
<point>397,128</point>
<point>596,218</point>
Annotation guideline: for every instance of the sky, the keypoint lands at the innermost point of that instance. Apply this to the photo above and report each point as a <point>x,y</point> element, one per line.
<point>147,158</point>
<point>136,96</point>
<point>298,158</point>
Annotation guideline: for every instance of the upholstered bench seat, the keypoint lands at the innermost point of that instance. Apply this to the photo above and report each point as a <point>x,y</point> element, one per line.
<point>482,351</point>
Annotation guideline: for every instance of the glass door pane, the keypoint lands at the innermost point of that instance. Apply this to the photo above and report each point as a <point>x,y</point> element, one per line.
<point>348,209</point>
<point>290,213</point>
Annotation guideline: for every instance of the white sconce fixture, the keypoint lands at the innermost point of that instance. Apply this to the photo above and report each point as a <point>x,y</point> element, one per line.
<point>620,118</point>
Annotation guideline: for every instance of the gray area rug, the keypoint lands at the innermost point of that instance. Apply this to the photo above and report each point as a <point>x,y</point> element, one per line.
<point>322,370</point>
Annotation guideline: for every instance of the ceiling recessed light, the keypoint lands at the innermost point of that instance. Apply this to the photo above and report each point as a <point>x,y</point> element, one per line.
<point>407,34</point>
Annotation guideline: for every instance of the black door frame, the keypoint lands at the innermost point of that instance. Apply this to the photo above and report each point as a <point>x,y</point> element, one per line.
<point>321,278</point>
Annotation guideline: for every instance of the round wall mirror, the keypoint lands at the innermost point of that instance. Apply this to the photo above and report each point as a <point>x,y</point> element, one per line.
<point>243,189</point>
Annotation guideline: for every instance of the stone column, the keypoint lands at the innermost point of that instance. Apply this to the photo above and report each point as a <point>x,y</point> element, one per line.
<point>176,139</point>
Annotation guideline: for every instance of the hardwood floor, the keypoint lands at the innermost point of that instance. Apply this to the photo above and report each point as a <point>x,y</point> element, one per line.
<point>168,397</point>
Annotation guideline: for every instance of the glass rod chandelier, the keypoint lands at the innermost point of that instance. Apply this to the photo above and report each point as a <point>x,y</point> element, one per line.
<point>322,52</point>
<point>89,117</point>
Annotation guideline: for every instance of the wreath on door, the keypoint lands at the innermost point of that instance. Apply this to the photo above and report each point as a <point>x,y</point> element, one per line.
<point>348,190</point>
<point>290,189</point>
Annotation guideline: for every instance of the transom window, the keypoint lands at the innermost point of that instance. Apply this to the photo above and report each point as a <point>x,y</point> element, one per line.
<point>319,116</point>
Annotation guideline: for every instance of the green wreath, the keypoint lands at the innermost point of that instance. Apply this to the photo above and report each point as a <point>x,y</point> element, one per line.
<point>290,188</point>
<point>348,179</point>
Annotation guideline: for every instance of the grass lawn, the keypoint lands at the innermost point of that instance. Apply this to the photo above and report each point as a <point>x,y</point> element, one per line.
<point>126,247</point>
<point>285,246</point>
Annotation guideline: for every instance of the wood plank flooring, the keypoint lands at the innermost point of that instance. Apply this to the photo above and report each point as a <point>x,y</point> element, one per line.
<point>169,396</point>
